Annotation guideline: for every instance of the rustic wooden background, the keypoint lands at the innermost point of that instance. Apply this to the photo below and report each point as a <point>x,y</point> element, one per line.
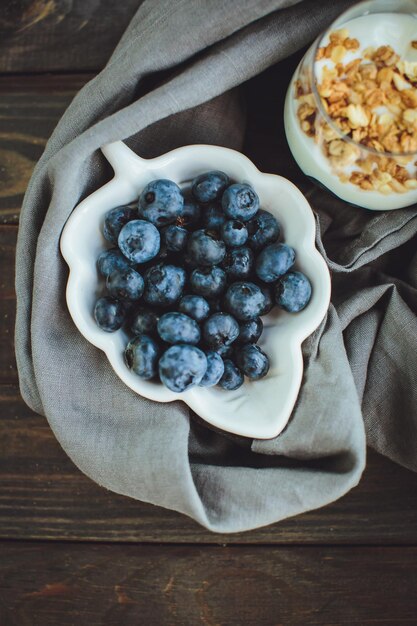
<point>74,553</point>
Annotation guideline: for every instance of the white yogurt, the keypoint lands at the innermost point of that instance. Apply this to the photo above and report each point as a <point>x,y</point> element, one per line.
<point>373,30</point>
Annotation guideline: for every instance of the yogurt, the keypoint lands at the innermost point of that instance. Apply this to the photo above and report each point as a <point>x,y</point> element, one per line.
<point>353,146</point>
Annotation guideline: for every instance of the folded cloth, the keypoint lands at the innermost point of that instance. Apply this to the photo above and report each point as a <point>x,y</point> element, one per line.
<point>173,80</point>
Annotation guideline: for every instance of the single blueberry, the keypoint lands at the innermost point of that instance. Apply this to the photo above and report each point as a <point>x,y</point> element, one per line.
<point>232,377</point>
<point>182,366</point>
<point>209,186</point>
<point>116,219</point>
<point>175,238</point>
<point>240,202</point>
<point>238,263</point>
<point>293,292</point>
<point>125,284</point>
<point>253,361</point>
<point>209,282</point>
<point>220,329</point>
<point>215,370</point>
<point>161,202</point>
<point>274,261</point>
<point>195,306</point>
<point>139,241</point>
<point>109,314</point>
<point>234,233</point>
<point>164,284</point>
<point>244,301</point>
<point>178,328</point>
<point>141,356</point>
<point>263,229</point>
<point>269,301</point>
<point>111,260</point>
<point>205,249</point>
<point>143,321</point>
<point>250,331</point>
<point>190,214</point>
<point>213,217</point>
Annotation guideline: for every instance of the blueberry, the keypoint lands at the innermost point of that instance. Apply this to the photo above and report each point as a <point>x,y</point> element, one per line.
<point>249,332</point>
<point>175,238</point>
<point>238,263</point>
<point>240,202</point>
<point>213,217</point>
<point>219,330</point>
<point>209,282</point>
<point>252,361</point>
<point>209,186</point>
<point>234,233</point>
<point>195,306</point>
<point>125,284</point>
<point>293,292</point>
<point>111,260</point>
<point>215,370</point>
<point>141,356</point>
<point>116,219</point>
<point>178,328</point>
<point>274,261</point>
<point>109,314</point>
<point>182,366</point>
<point>139,241</point>
<point>269,301</point>
<point>244,301</point>
<point>263,229</point>
<point>190,214</point>
<point>205,249</point>
<point>161,202</point>
<point>232,377</point>
<point>164,284</point>
<point>143,321</point>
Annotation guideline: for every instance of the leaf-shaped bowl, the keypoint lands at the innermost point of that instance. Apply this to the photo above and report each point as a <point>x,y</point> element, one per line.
<point>258,409</point>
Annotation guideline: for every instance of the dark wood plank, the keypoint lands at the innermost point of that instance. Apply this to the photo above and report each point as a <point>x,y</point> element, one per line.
<point>8,371</point>
<point>44,496</point>
<point>30,108</point>
<point>48,584</point>
<point>44,35</point>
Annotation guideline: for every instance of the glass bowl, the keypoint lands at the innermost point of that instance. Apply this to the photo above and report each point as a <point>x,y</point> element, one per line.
<point>351,107</point>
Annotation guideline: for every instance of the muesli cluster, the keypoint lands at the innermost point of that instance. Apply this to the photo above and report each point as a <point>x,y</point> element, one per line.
<point>373,101</point>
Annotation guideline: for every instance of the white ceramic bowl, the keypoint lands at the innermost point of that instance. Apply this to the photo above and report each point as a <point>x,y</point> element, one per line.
<point>257,409</point>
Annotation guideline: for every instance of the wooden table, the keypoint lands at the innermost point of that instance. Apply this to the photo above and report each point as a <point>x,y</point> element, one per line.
<point>72,552</point>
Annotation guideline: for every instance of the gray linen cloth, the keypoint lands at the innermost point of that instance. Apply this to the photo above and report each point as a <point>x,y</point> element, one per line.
<point>173,81</point>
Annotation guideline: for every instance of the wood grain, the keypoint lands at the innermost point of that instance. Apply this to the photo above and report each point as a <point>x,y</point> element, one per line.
<point>54,35</point>
<point>44,496</point>
<point>30,108</point>
<point>49,584</point>
<point>8,371</point>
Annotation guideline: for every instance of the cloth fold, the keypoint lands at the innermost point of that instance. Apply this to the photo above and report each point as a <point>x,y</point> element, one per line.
<point>174,80</point>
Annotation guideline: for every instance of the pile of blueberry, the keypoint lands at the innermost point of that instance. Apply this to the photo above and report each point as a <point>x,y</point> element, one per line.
<point>190,277</point>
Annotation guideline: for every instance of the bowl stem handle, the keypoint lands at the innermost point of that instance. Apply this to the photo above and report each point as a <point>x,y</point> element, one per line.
<point>123,160</point>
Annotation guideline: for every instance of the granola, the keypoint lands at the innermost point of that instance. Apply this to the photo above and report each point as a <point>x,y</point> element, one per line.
<point>372,100</point>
